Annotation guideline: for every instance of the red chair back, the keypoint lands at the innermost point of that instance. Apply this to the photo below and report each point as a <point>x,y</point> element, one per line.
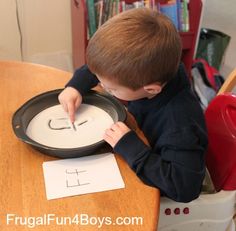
<point>221,155</point>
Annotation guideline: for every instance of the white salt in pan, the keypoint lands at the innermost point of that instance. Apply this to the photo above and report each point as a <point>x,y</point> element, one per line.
<point>52,127</point>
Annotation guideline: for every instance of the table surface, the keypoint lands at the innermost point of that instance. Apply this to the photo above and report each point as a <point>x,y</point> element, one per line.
<point>22,183</point>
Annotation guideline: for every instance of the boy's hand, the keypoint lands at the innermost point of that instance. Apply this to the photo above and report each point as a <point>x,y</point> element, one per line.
<point>115,133</point>
<point>70,99</point>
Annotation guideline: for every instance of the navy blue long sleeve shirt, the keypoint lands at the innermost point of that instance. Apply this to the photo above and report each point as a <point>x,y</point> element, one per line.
<point>173,123</point>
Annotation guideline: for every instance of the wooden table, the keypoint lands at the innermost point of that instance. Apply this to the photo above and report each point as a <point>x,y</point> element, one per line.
<point>21,178</point>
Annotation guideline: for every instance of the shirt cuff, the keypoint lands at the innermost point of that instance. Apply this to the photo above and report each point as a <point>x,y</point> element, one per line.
<point>83,80</point>
<point>131,148</point>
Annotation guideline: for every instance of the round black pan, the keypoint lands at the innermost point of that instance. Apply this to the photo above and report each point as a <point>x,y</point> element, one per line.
<point>31,108</point>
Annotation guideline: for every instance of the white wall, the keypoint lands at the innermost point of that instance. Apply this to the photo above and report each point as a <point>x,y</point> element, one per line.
<point>9,34</point>
<point>221,15</point>
<point>46,32</point>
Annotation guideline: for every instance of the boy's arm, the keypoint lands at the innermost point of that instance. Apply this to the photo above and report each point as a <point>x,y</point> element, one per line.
<point>83,80</point>
<point>177,169</point>
<point>71,97</point>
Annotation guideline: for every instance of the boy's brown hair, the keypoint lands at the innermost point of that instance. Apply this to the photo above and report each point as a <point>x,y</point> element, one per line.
<point>135,48</point>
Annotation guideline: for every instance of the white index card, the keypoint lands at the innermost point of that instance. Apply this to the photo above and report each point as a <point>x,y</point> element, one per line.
<point>82,175</point>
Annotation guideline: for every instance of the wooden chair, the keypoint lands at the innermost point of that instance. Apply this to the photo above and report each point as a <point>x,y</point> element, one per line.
<point>229,83</point>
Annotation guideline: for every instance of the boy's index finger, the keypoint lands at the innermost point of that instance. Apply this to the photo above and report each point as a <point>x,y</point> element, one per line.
<point>71,111</point>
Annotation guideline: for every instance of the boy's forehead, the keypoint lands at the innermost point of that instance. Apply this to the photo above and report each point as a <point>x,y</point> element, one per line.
<point>109,84</point>
<point>106,80</point>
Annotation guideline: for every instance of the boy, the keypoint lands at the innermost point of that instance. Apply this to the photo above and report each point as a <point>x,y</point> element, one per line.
<point>136,57</point>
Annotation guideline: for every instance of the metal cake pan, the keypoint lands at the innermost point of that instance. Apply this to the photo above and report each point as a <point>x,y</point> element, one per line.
<point>31,108</point>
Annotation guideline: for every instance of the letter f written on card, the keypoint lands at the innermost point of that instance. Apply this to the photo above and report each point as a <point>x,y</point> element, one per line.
<point>82,175</point>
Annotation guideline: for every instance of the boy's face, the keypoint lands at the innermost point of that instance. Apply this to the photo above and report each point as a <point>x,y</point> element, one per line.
<point>122,92</point>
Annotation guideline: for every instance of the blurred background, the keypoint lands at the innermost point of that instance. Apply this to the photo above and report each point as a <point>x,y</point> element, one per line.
<point>39,31</point>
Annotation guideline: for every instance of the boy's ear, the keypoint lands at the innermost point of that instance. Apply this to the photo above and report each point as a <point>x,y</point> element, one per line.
<point>153,88</point>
